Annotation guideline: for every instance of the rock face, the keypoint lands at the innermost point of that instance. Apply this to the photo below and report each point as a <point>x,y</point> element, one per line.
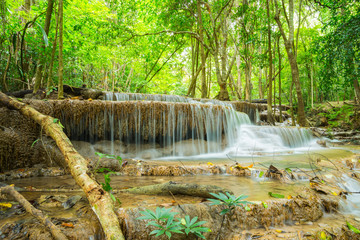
<point>277,213</point>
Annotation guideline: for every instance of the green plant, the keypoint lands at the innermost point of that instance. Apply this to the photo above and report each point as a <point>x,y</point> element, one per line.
<point>107,173</point>
<point>102,155</point>
<point>163,220</point>
<point>191,226</point>
<point>230,201</point>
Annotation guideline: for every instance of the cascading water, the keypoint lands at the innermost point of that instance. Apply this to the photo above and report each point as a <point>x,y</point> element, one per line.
<point>198,128</point>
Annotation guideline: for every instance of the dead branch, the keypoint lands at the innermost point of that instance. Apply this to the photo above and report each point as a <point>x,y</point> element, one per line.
<point>56,233</point>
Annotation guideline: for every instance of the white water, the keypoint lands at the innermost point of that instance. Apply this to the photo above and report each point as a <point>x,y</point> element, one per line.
<point>352,203</point>
<point>228,133</point>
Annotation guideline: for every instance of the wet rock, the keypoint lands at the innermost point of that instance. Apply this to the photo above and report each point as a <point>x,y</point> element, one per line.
<point>71,201</point>
<point>279,211</point>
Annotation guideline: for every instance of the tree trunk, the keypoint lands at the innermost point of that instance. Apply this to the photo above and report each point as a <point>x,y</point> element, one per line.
<point>61,65</point>
<point>49,80</point>
<point>5,72</point>
<point>99,199</point>
<point>281,117</point>
<point>290,50</point>
<point>202,53</point>
<point>41,60</point>
<point>168,188</point>
<point>270,117</point>
<point>239,87</point>
<point>293,122</point>
<point>261,94</point>
<point>356,88</point>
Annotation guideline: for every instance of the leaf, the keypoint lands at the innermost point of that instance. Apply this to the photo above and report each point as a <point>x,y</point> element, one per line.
<point>69,225</point>
<point>247,208</point>
<point>112,197</point>
<point>45,37</point>
<point>261,174</point>
<point>265,204</point>
<point>224,211</point>
<point>55,120</point>
<point>6,205</point>
<point>352,228</point>
<point>32,145</point>
<point>276,195</point>
<point>323,235</point>
<point>288,170</point>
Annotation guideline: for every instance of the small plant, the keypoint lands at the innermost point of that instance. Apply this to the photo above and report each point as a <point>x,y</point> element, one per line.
<point>102,155</point>
<point>230,201</point>
<point>106,173</point>
<point>191,226</point>
<point>163,220</point>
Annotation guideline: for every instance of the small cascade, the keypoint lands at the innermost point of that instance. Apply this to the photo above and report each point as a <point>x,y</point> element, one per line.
<point>267,139</point>
<point>352,202</point>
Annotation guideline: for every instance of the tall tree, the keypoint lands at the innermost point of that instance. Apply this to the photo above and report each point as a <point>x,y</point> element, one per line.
<point>291,53</point>
<point>61,64</point>
<point>270,116</point>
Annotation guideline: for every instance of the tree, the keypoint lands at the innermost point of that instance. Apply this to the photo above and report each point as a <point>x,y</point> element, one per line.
<point>61,64</point>
<point>291,53</point>
<point>270,116</point>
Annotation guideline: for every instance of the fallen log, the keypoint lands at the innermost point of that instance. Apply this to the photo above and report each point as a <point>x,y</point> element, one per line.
<point>169,188</point>
<point>100,200</point>
<point>56,233</point>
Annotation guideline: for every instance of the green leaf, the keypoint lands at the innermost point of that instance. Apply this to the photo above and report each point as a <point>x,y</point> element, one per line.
<point>55,120</point>
<point>288,170</point>
<point>247,208</point>
<point>32,145</point>
<point>352,228</point>
<point>168,234</point>
<point>261,174</point>
<point>264,204</point>
<point>224,211</point>
<point>112,197</point>
<point>45,37</point>
<point>276,195</point>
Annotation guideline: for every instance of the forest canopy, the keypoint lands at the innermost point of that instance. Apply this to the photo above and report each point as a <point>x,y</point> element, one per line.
<point>300,51</point>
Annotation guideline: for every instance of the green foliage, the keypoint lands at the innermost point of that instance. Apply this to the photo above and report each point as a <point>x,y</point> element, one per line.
<point>276,195</point>
<point>352,228</point>
<point>107,174</point>
<point>229,200</point>
<point>163,220</point>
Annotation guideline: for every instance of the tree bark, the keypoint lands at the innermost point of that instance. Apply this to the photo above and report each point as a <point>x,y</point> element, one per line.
<point>49,80</point>
<point>5,72</point>
<point>202,53</point>
<point>99,199</point>
<point>281,117</point>
<point>55,232</point>
<point>270,117</point>
<point>290,50</point>
<point>190,189</point>
<point>239,85</point>
<point>61,64</point>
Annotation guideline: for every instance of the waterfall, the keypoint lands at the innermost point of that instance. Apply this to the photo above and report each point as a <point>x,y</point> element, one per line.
<point>267,139</point>
<point>193,127</point>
